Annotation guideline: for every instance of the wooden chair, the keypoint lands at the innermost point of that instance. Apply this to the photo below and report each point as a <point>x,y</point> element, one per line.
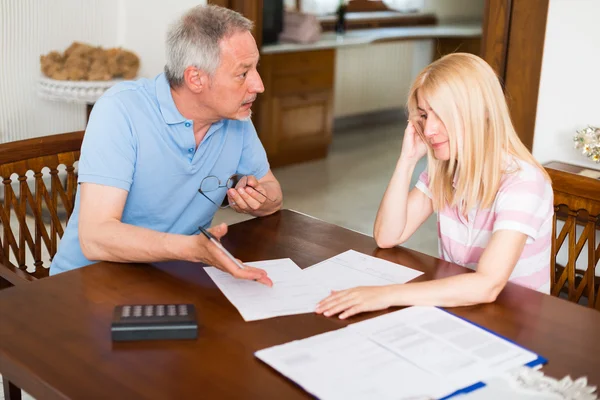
<point>34,209</point>
<point>577,203</point>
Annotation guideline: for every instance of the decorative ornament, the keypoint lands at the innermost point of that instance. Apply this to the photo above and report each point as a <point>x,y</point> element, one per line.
<point>588,141</point>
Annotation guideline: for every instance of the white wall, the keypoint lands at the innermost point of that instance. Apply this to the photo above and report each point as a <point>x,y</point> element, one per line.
<point>145,24</point>
<point>30,28</point>
<point>569,95</point>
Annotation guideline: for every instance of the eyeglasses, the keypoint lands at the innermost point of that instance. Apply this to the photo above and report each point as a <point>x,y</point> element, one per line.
<point>235,181</point>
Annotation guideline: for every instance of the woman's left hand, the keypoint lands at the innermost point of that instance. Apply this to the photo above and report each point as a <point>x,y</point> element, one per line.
<point>356,300</point>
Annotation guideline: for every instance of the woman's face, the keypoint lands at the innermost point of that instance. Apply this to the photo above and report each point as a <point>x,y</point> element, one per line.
<point>434,129</point>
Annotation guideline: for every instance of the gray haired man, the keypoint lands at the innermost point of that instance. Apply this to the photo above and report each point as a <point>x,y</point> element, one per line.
<point>160,156</point>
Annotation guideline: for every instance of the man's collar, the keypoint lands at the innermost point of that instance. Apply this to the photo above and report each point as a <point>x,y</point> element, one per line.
<point>168,109</point>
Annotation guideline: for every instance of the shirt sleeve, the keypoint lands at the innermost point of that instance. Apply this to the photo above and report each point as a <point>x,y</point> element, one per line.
<point>524,205</point>
<point>108,152</point>
<point>254,158</point>
<point>423,184</point>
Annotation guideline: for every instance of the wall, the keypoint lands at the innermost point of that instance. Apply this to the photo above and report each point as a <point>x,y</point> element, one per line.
<point>377,77</point>
<point>569,96</point>
<point>30,28</point>
<point>362,85</point>
<point>145,24</point>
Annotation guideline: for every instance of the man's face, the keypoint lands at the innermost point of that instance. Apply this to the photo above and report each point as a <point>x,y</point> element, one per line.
<point>235,84</point>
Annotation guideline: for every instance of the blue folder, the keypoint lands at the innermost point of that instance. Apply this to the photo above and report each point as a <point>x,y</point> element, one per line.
<point>538,361</point>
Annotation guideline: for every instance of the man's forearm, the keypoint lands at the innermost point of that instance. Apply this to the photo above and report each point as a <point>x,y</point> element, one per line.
<point>119,242</point>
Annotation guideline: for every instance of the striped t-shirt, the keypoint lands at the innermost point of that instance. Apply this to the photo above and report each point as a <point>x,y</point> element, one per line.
<point>524,203</point>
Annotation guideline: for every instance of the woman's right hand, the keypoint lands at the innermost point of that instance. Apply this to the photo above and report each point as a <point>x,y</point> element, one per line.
<point>413,147</point>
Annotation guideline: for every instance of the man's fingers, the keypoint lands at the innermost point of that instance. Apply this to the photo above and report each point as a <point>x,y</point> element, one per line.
<point>256,195</point>
<point>219,230</point>
<point>249,201</point>
<point>240,203</point>
<point>249,273</point>
<point>255,274</point>
<point>252,181</point>
<point>265,280</point>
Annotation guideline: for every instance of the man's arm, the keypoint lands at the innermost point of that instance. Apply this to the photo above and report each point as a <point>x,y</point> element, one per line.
<point>103,237</point>
<point>248,201</point>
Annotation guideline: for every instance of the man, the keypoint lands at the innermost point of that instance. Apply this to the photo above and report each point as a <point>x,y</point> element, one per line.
<point>152,145</point>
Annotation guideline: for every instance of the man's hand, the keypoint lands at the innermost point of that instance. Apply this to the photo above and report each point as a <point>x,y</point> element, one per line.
<point>254,198</point>
<point>213,256</point>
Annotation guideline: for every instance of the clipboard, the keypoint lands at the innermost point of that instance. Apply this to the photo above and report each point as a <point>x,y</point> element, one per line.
<point>313,354</point>
<point>538,361</point>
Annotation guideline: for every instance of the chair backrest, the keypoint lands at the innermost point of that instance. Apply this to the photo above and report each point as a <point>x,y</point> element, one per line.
<point>39,186</point>
<point>577,225</point>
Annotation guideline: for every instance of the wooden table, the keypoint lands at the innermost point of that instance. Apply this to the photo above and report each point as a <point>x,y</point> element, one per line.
<point>55,333</point>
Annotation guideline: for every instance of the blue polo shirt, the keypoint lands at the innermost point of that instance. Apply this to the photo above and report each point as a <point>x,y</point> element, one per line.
<point>137,140</point>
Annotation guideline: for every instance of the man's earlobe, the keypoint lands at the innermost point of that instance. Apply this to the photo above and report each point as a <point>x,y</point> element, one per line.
<point>194,79</point>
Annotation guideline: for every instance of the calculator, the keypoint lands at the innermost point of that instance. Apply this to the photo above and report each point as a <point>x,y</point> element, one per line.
<point>154,322</point>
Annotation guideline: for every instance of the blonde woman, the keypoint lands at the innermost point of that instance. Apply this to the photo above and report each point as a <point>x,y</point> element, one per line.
<point>493,200</point>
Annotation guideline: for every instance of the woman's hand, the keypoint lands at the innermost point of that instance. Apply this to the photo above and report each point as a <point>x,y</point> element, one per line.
<point>413,147</point>
<point>356,300</point>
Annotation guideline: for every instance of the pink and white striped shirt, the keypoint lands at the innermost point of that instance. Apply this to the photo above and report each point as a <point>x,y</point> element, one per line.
<point>524,203</point>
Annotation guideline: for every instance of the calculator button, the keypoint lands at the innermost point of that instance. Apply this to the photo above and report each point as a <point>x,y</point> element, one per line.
<point>171,310</point>
<point>183,309</point>
<point>126,312</point>
<point>160,310</point>
<point>137,311</point>
<point>148,311</point>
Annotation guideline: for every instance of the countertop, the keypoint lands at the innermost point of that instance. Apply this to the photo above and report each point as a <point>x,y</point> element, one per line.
<point>358,37</point>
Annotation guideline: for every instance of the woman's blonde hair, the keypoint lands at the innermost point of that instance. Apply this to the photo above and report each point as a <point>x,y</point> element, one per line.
<point>465,93</point>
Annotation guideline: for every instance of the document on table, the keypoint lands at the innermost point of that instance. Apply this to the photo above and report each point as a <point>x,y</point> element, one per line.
<point>292,292</point>
<point>414,352</point>
<point>297,291</point>
<point>351,269</point>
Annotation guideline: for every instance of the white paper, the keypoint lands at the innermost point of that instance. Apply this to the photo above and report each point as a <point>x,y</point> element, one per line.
<point>297,291</point>
<point>292,292</point>
<point>417,351</point>
<point>351,269</point>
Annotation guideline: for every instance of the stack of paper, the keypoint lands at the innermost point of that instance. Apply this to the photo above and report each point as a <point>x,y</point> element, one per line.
<point>297,291</point>
<point>417,352</point>
<point>292,292</point>
<point>351,269</point>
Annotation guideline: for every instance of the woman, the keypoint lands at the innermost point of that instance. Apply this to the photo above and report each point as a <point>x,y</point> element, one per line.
<point>493,199</point>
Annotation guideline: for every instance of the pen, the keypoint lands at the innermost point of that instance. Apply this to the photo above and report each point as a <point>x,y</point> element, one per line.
<point>213,239</point>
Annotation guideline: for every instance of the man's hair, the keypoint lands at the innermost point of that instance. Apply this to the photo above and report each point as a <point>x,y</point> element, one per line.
<point>193,40</point>
<point>465,93</point>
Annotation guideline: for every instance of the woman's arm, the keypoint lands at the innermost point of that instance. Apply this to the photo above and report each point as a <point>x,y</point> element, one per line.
<point>495,267</point>
<point>400,212</point>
